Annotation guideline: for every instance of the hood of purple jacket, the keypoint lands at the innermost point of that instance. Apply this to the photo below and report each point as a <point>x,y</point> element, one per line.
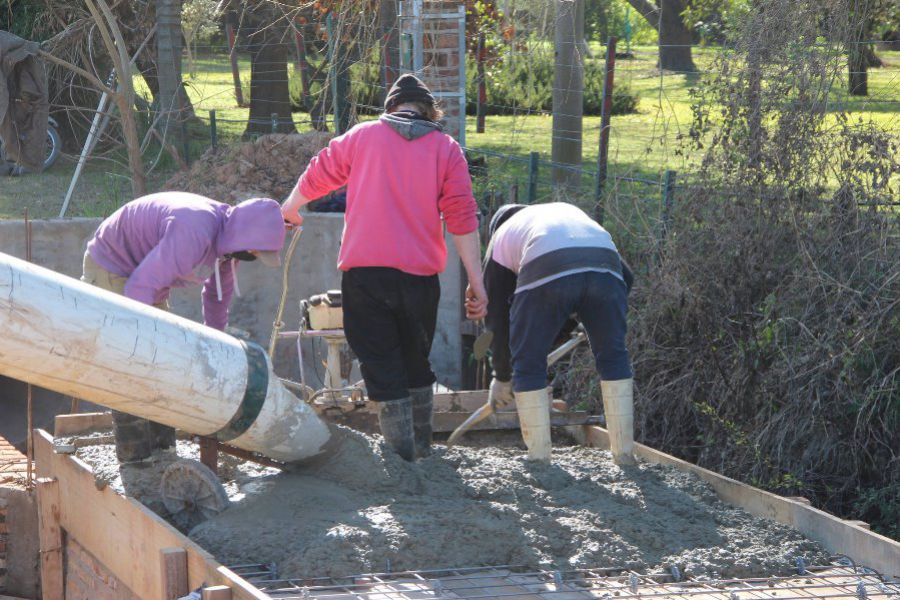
<point>174,239</point>
<point>255,224</point>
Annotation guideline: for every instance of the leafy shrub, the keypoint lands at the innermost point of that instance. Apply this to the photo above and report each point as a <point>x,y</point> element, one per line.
<point>517,85</point>
<point>524,83</point>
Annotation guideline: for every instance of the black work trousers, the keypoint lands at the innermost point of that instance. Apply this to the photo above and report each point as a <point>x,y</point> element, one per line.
<point>389,320</point>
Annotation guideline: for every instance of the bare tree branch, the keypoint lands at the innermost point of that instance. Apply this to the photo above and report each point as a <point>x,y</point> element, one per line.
<point>648,10</point>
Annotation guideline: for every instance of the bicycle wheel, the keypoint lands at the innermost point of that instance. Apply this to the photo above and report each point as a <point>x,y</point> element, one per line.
<point>54,147</point>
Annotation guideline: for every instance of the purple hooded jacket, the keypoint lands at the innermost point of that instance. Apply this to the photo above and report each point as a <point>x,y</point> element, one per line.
<point>177,239</point>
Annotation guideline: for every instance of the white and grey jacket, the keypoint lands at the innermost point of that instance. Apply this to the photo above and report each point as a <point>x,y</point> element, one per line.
<point>536,245</point>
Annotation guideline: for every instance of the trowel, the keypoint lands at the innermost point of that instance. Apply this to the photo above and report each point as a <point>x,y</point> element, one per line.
<point>488,408</point>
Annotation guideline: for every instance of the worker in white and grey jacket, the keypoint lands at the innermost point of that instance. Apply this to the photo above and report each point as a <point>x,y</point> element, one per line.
<point>544,263</point>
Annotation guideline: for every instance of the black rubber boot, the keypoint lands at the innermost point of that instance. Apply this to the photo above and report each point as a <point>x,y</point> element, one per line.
<point>396,422</point>
<point>422,407</point>
<point>134,441</point>
<point>163,436</point>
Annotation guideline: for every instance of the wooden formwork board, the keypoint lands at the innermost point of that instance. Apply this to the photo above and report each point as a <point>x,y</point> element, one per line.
<point>123,534</point>
<point>837,535</point>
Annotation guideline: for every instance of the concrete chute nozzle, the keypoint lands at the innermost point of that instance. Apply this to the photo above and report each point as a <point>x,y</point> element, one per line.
<point>80,340</point>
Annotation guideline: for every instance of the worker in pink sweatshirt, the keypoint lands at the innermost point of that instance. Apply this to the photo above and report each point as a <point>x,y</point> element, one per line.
<point>406,180</point>
<point>175,239</point>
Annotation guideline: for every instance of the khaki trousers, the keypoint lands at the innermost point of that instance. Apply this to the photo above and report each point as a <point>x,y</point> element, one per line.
<point>96,275</point>
<point>136,438</point>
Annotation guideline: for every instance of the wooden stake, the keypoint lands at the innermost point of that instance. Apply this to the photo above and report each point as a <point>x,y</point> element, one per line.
<point>174,568</point>
<point>216,592</point>
<point>50,539</point>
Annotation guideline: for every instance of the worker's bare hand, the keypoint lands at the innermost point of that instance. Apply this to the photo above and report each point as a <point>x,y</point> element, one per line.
<point>292,217</point>
<point>476,301</point>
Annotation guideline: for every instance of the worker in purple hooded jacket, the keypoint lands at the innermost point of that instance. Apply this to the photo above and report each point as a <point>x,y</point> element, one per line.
<point>176,239</point>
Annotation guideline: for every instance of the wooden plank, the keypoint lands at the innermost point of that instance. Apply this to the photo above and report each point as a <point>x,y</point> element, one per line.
<point>216,592</point>
<point>838,536</point>
<point>460,401</point>
<point>50,538</point>
<point>77,424</point>
<point>174,567</point>
<point>449,421</point>
<point>123,534</point>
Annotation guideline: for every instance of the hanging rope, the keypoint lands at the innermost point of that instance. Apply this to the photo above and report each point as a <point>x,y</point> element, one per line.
<point>278,324</point>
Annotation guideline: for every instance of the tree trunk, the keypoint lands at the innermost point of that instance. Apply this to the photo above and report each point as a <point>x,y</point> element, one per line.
<point>269,90</point>
<point>568,94</point>
<point>390,44</point>
<point>675,38</point>
<point>168,72</point>
<point>859,75</point>
<point>860,58</point>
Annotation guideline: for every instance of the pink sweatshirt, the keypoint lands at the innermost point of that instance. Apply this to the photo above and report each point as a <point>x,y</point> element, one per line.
<point>398,189</point>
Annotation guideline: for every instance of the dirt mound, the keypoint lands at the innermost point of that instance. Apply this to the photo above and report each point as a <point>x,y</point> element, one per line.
<point>267,167</point>
<point>365,508</point>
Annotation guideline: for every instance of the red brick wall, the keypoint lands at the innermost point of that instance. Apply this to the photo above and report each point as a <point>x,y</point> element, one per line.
<point>88,579</point>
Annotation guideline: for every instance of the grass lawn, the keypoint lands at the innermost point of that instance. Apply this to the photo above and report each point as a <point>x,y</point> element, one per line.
<point>643,144</point>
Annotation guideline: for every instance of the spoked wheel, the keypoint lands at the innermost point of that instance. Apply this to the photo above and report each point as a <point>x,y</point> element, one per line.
<point>191,493</point>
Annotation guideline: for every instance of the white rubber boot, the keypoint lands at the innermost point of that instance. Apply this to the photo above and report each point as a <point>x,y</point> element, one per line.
<point>618,404</point>
<point>534,420</point>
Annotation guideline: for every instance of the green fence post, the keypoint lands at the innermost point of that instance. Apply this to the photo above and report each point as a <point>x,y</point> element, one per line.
<point>213,133</point>
<point>533,177</point>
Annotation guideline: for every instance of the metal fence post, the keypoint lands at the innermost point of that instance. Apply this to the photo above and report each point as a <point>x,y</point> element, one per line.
<point>533,177</point>
<point>605,113</point>
<point>668,200</point>
<point>274,122</point>
<point>213,133</point>
<point>482,88</point>
<point>338,78</point>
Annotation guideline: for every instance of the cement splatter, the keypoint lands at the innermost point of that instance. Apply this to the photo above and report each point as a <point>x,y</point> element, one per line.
<point>142,480</point>
<point>364,508</point>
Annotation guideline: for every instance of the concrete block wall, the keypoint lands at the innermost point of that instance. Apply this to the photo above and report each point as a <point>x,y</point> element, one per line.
<point>88,579</point>
<point>58,244</point>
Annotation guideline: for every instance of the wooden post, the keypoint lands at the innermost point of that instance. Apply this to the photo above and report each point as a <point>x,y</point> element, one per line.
<point>302,65</point>
<point>235,70</point>
<point>668,201</point>
<point>174,568</point>
<point>568,92</point>
<point>216,592</point>
<point>534,157</point>
<point>209,453</point>
<point>213,132</point>
<point>482,87</point>
<point>338,76</point>
<point>50,539</point>
<point>605,114</point>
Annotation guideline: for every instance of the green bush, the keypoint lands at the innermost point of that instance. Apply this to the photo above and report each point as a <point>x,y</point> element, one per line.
<point>517,85</point>
<point>525,83</point>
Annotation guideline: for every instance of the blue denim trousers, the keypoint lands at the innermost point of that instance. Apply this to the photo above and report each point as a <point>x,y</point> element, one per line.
<point>599,300</point>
